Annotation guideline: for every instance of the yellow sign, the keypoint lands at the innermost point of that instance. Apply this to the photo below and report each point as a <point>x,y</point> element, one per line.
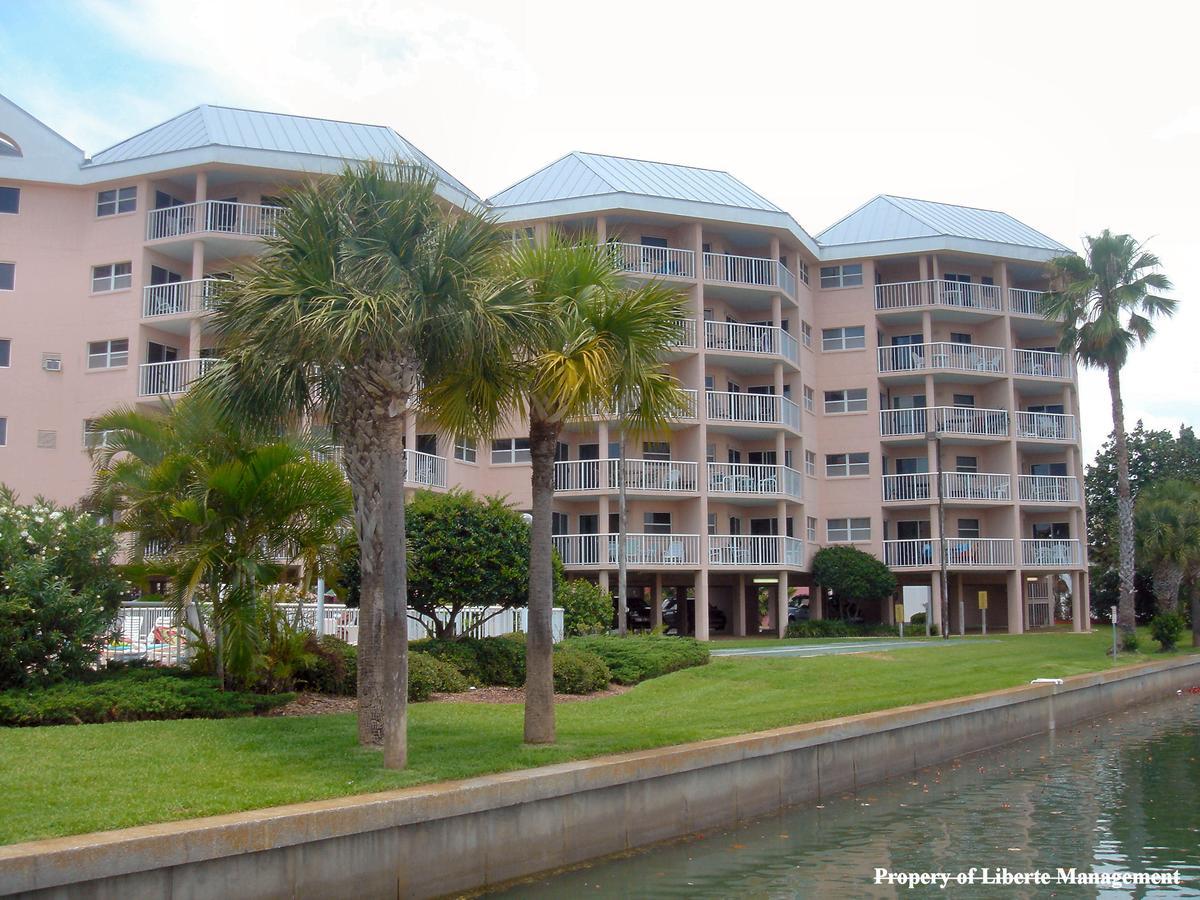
<point>983,599</point>
<point>899,612</point>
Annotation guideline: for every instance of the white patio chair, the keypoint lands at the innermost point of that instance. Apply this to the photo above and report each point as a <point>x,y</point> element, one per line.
<point>674,553</point>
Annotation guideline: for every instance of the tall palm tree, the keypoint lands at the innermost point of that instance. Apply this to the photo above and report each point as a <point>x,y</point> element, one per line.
<point>594,346</point>
<point>1167,517</point>
<point>370,288</point>
<point>1108,301</point>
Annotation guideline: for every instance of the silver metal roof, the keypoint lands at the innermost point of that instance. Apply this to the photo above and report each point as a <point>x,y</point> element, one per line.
<point>589,174</point>
<point>222,126</point>
<point>888,218</point>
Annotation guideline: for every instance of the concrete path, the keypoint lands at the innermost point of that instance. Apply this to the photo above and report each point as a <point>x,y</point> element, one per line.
<point>836,649</point>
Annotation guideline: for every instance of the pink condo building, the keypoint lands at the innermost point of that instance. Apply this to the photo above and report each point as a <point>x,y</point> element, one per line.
<point>832,377</point>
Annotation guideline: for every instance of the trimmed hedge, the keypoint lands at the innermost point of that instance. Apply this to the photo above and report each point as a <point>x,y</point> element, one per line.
<point>638,657</point>
<point>489,660</point>
<point>130,695</point>
<point>827,628</point>
<point>579,671</point>
<point>427,674</point>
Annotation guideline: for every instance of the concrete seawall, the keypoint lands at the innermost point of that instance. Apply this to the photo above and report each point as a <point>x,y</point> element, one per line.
<point>433,840</point>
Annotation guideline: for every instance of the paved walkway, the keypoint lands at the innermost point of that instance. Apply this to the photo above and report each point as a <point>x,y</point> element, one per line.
<point>835,649</point>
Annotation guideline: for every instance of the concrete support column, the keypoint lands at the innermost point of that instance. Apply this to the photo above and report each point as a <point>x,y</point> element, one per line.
<point>958,600</point>
<point>739,606</point>
<point>781,604</point>
<point>195,337</point>
<point>656,602</point>
<point>935,597</point>
<point>201,187</point>
<point>601,229</point>
<point>702,605</point>
<point>1016,602</point>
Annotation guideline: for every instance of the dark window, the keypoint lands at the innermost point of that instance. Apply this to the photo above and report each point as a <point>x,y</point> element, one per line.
<point>5,353</point>
<point>10,200</point>
<point>8,276</point>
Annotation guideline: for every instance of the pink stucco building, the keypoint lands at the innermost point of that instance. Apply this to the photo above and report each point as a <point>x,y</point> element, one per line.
<point>833,375</point>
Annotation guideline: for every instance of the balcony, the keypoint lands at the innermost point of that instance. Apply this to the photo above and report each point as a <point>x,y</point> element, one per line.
<point>908,487</point>
<point>1047,488</point>
<point>642,476</point>
<point>961,553</point>
<point>1042,426</point>
<point>164,379</point>
<point>599,551</point>
<point>971,358</point>
<point>687,334</point>
<point>749,271</point>
<point>976,486</point>
<point>1042,364</point>
<point>757,340</point>
<point>742,551</point>
<point>965,421</point>
<point>424,469</point>
<point>1022,302</point>
<point>179,298</point>
<point>752,409</point>
<point>655,262</point>
<point>938,293</point>
<point>212,216</point>
<point>688,412</point>
<point>753,480</point>
<point>1051,554</point>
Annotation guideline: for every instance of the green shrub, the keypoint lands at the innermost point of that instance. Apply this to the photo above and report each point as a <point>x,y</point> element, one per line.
<point>835,628</point>
<point>334,667</point>
<point>587,608</point>
<point>1130,642</point>
<point>1167,628</point>
<point>638,657</point>
<point>129,695</point>
<point>579,671</point>
<point>489,660</point>
<point>427,674</point>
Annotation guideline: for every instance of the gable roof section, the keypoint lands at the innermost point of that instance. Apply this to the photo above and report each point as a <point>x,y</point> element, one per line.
<point>904,221</point>
<point>39,152</point>
<point>242,129</point>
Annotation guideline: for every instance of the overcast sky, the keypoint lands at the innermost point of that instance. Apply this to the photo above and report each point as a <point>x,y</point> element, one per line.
<point>1072,117</point>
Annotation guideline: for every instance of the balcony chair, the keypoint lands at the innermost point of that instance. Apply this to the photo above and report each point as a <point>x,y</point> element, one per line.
<point>674,554</point>
<point>768,484</point>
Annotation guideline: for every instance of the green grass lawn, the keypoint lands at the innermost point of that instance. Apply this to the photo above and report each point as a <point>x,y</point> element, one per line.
<point>71,779</point>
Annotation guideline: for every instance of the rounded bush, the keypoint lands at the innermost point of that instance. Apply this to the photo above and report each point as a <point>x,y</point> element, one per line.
<point>587,608</point>
<point>579,672</point>
<point>427,674</point>
<point>638,657</point>
<point>334,669</point>
<point>1167,628</point>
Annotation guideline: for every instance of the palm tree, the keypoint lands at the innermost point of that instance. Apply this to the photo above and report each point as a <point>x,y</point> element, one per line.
<point>1108,302</point>
<point>594,345</point>
<point>370,288</point>
<point>1167,517</point>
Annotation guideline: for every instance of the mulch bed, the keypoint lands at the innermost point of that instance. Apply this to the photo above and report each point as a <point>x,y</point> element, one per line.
<point>321,704</point>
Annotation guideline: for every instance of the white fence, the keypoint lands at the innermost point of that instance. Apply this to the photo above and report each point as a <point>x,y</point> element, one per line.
<point>938,292</point>
<point>1025,302</point>
<point>178,297</point>
<point>751,478</point>
<point>669,262</point>
<point>752,270</point>
<point>737,337</point>
<point>641,550</point>
<point>1048,488</point>
<point>976,486</point>
<point>909,486</point>
<point>654,475</point>
<point>1051,553</point>
<point>758,409</point>
<point>1041,363</point>
<point>1044,426</point>
<point>249,219</point>
<point>174,377</point>
<point>754,550</point>
<point>965,420</point>
<point>941,355</point>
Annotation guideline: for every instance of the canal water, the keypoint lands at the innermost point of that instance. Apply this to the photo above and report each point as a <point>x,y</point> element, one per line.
<point>1118,794</point>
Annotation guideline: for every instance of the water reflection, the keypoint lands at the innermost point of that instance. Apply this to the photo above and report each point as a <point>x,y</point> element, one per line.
<point>1116,794</point>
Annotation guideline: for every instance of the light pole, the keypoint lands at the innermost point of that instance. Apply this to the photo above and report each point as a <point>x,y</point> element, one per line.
<point>936,437</point>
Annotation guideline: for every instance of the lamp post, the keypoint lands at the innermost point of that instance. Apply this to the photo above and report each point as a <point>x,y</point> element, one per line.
<point>936,437</point>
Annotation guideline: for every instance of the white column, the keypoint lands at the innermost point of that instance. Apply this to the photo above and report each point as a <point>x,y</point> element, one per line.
<point>781,601</point>
<point>702,606</point>
<point>1016,602</point>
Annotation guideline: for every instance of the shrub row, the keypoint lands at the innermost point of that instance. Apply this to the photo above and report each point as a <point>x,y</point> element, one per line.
<point>830,628</point>
<point>491,660</point>
<point>638,657</point>
<point>427,674</point>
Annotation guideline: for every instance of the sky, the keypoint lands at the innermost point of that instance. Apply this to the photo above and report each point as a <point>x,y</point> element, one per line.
<point>1073,117</point>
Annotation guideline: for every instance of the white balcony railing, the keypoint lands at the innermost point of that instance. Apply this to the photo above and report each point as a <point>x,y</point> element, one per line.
<point>658,476</point>
<point>1042,363</point>
<point>179,297</point>
<point>958,420</point>
<point>751,270</point>
<point>976,486</point>
<point>911,486</point>
<point>979,553</point>
<point>752,478</point>
<point>938,292</point>
<point>1045,426</point>
<point>669,262</point>
<point>1048,488</point>
<point>424,469</point>
<point>641,550</point>
<point>162,379</point>
<point>755,550</point>
<point>757,409</point>
<point>688,411</point>
<point>739,338</point>
<point>941,355</point>
<point>908,553</point>
<point>1051,553</point>
<point>1025,302</point>
<point>687,334</point>
<point>220,216</point>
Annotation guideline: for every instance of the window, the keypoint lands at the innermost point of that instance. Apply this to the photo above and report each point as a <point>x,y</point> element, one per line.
<point>848,529</point>
<point>3,431</point>
<point>844,401</point>
<point>811,529</point>
<point>8,276</point>
<point>804,271</point>
<point>657,522</point>
<point>5,353</point>
<point>710,453</point>
<point>966,464</point>
<point>959,337</point>
<point>841,276</point>
<point>464,449</point>
<point>810,463</point>
<point>712,523</point>
<point>735,525</point>
<point>806,334</point>
<point>112,277</point>
<point>843,465</point>
<point>10,200</point>
<point>808,398</point>
<point>118,200</point>
<point>1051,531</point>
<point>660,450</point>
<point>510,450</point>
<point>108,354</point>
<point>964,400</point>
<point>968,528</point>
<point>94,437</point>
<point>852,337</point>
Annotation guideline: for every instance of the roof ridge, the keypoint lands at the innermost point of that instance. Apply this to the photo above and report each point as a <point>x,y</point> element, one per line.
<point>892,198</point>
<point>657,162</point>
<point>955,205</point>
<point>853,212</point>
<point>582,156</point>
<point>266,112</point>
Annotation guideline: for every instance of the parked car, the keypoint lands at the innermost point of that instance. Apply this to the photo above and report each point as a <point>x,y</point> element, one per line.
<point>798,611</point>
<point>716,618</point>
<point>637,614</point>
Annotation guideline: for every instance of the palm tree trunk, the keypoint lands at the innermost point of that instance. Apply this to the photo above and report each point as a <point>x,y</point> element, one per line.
<point>539,642</point>
<point>395,601</point>
<point>1126,604</point>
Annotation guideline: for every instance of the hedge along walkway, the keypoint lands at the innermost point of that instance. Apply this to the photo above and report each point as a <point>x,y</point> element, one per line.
<point>71,779</point>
